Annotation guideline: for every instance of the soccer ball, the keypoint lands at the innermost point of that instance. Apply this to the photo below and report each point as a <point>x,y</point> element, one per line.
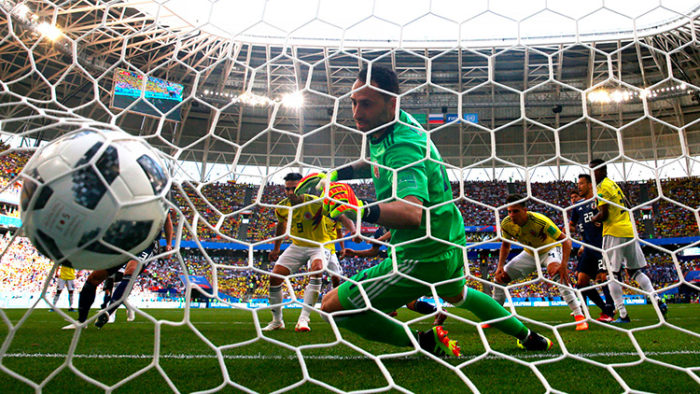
<point>91,195</point>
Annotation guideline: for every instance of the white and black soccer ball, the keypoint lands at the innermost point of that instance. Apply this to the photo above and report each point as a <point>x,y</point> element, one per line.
<point>90,193</point>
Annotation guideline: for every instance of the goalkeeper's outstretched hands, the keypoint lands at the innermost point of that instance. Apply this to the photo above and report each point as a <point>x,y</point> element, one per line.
<point>343,201</point>
<point>314,183</point>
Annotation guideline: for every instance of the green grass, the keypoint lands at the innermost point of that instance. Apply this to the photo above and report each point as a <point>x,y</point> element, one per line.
<point>122,353</point>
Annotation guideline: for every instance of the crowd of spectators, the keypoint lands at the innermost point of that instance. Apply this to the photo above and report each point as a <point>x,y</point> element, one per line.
<point>23,269</point>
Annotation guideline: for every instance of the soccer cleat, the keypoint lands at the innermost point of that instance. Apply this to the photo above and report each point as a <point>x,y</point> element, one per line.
<point>302,326</point>
<point>274,325</point>
<point>582,325</point>
<point>51,310</point>
<point>439,319</point>
<point>605,318</point>
<point>102,319</point>
<point>436,342</point>
<point>485,325</point>
<point>393,313</point>
<point>621,320</point>
<point>663,308</point>
<point>130,315</point>
<point>71,326</point>
<point>71,309</point>
<point>535,341</point>
<point>112,317</point>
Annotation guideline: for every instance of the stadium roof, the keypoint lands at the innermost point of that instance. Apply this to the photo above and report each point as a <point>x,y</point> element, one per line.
<point>545,95</point>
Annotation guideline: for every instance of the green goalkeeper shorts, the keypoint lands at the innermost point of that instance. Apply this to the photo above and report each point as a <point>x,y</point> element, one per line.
<point>387,290</point>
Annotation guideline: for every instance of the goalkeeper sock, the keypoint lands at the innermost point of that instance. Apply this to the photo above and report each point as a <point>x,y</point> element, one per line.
<point>118,293</point>
<point>85,300</point>
<point>374,326</point>
<point>486,308</point>
<point>276,299</point>
<point>310,297</point>
<point>424,308</point>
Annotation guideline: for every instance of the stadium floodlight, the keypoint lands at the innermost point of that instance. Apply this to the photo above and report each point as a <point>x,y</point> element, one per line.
<point>21,11</point>
<point>293,100</point>
<point>49,31</point>
<point>599,96</point>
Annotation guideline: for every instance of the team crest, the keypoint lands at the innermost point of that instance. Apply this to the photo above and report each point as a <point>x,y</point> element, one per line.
<point>308,216</point>
<point>375,171</point>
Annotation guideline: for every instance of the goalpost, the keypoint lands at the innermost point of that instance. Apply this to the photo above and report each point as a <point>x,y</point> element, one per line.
<point>512,95</point>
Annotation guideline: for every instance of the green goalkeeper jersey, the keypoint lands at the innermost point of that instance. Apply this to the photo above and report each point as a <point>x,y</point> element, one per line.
<point>405,149</point>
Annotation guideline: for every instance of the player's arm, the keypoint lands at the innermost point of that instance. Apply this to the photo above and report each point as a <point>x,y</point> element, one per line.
<point>400,214</point>
<point>565,253</point>
<point>168,227</point>
<point>371,252</point>
<point>279,230</point>
<point>502,256</point>
<point>603,207</point>
<point>348,225</point>
<point>602,215</point>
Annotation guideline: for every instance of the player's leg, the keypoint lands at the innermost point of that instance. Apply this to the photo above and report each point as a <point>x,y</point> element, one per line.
<point>519,267</point>
<point>385,291</point>
<point>289,261</point>
<point>70,285</point>
<point>602,277</point>
<point>635,264</point>
<point>334,269</point>
<point>87,295</point>
<point>107,288</point>
<point>59,288</point>
<point>426,308</point>
<point>318,259</point>
<point>487,308</point>
<point>553,268</point>
<point>615,258</point>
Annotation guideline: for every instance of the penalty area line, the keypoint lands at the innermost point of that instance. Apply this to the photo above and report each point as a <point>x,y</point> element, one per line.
<point>260,356</point>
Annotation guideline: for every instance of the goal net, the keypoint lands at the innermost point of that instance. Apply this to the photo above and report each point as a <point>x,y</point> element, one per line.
<point>517,97</point>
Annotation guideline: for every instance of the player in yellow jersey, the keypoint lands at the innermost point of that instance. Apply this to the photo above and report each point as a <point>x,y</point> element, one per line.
<point>536,231</point>
<point>617,234</point>
<point>66,278</point>
<point>309,235</point>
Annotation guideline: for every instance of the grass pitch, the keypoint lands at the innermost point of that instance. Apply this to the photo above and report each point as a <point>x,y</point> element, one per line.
<point>222,346</point>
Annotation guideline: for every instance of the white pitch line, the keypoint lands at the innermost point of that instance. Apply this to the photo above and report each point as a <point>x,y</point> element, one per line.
<point>260,356</point>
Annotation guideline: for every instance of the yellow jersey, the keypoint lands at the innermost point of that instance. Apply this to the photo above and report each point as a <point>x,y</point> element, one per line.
<point>307,221</point>
<point>538,231</point>
<point>618,223</point>
<point>66,273</point>
<point>332,227</point>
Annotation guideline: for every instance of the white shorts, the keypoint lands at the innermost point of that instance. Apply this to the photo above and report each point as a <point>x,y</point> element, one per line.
<point>295,257</point>
<point>65,283</point>
<point>334,265</point>
<point>524,264</point>
<point>628,256</point>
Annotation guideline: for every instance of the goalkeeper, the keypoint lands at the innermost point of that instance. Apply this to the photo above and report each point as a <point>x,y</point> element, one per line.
<point>423,193</point>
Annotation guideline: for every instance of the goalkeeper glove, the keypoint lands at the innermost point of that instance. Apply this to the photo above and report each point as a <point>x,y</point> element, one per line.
<point>314,183</point>
<point>345,202</point>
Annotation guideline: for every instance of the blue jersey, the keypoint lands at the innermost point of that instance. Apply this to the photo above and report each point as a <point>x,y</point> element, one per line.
<point>581,216</point>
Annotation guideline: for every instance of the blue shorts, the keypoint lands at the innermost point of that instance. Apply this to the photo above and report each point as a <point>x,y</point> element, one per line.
<point>591,263</point>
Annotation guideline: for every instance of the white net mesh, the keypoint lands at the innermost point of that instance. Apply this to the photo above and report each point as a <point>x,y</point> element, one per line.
<point>518,98</point>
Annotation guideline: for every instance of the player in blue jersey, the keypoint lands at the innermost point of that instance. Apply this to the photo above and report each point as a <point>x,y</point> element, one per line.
<point>590,261</point>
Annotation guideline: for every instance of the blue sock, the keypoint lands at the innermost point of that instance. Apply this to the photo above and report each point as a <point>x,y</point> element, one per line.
<point>117,294</point>
<point>424,308</point>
